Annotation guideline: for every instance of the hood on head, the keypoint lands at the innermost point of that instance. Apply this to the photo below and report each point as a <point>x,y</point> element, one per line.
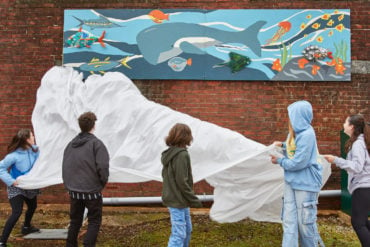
<point>300,115</point>
<point>168,154</point>
<point>81,139</point>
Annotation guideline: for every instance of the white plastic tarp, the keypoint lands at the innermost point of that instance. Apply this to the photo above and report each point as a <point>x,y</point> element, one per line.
<point>246,183</point>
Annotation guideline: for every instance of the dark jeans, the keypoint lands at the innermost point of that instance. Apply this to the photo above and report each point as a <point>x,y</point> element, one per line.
<point>360,211</point>
<point>17,206</point>
<point>94,217</point>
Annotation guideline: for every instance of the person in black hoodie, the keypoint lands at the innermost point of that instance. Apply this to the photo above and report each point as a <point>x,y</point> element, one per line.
<point>85,174</point>
<point>177,191</point>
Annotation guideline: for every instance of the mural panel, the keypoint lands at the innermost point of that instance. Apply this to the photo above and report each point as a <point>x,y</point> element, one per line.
<point>272,44</point>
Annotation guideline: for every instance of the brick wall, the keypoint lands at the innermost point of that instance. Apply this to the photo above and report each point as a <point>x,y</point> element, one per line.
<point>31,36</point>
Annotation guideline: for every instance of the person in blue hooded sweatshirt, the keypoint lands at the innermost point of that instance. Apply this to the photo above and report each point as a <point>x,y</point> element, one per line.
<point>22,154</point>
<point>303,179</point>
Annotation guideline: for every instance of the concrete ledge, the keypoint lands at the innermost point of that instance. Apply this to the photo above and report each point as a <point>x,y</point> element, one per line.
<point>48,234</point>
<point>360,67</point>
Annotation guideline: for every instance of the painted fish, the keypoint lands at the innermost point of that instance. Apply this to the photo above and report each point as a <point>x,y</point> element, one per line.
<point>82,39</point>
<point>276,65</point>
<point>158,16</point>
<point>315,68</point>
<point>178,64</point>
<point>237,62</point>
<point>101,66</point>
<point>340,22</point>
<point>160,43</point>
<point>338,65</point>
<point>302,62</point>
<point>101,22</point>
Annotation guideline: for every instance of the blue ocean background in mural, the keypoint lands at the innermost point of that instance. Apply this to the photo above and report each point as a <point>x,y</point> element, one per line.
<point>298,45</point>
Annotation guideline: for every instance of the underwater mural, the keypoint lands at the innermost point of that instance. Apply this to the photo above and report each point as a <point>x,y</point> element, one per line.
<point>198,44</point>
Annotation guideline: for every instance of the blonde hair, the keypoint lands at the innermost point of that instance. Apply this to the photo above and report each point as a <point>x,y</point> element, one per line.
<point>290,140</point>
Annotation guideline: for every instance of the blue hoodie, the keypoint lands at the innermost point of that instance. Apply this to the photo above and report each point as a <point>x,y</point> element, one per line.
<point>20,163</point>
<point>302,172</point>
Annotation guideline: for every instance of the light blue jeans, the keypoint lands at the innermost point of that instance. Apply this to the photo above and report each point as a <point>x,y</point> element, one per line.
<point>180,227</point>
<point>299,217</point>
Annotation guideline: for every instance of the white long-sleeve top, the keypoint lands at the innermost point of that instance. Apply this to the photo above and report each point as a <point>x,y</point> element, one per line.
<point>357,165</point>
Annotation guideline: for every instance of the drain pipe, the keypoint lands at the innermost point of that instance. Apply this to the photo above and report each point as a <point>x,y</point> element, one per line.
<point>202,198</point>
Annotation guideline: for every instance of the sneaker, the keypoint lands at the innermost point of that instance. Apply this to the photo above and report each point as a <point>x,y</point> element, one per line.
<point>29,229</point>
<point>2,244</point>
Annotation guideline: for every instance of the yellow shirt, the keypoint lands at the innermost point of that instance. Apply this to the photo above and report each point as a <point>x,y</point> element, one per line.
<point>290,148</point>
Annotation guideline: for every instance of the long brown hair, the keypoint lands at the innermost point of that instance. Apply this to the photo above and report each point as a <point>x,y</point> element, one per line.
<point>179,136</point>
<point>20,141</point>
<point>359,127</point>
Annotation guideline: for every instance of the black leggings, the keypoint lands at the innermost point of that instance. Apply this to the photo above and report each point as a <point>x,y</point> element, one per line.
<point>360,211</point>
<point>17,206</point>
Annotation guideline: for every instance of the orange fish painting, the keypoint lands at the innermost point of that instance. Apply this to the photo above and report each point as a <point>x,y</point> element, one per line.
<point>277,65</point>
<point>326,17</point>
<point>284,27</point>
<point>338,66</point>
<point>340,27</point>
<point>158,16</point>
<point>315,68</point>
<point>316,25</point>
<point>319,39</point>
<point>330,23</point>
<point>302,62</point>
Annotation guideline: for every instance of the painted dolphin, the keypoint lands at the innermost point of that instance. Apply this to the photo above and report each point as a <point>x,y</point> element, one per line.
<point>162,42</point>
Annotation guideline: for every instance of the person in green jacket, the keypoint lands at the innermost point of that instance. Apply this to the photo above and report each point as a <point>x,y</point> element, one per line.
<point>177,192</point>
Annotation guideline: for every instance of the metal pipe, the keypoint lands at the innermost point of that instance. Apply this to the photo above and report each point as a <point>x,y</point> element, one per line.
<point>330,193</point>
<point>202,198</point>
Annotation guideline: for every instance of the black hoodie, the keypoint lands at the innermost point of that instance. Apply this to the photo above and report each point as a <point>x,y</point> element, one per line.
<point>85,164</point>
<point>177,177</point>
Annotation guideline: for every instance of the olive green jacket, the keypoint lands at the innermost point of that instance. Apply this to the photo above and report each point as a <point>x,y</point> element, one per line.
<point>177,177</point>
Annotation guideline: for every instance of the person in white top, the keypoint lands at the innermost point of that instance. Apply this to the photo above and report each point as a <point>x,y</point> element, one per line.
<point>357,166</point>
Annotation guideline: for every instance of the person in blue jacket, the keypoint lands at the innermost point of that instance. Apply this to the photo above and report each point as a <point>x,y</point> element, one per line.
<point>303,179</point>
<point>22,154</point>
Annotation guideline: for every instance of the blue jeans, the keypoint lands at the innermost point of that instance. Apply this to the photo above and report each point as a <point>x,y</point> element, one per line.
<point>299,217</point>
<point>180,227</point>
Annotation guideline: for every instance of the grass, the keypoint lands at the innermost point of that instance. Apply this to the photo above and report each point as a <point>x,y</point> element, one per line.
<point>145,227</point>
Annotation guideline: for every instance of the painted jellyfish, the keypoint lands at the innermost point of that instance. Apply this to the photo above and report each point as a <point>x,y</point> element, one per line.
<point>284,27</point>
<point>178,63</point>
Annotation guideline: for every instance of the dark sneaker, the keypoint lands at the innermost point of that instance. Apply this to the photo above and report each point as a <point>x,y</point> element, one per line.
<point>2,244</point>
<point>29,229</point>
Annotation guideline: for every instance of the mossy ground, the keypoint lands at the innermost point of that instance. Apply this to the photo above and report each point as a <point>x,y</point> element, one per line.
<point>148,227</point>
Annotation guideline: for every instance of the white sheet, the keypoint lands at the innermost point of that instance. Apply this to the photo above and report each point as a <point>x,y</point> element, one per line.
<point>133,129</point>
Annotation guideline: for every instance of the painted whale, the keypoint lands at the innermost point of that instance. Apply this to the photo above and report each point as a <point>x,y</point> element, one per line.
<point>162,42</point>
